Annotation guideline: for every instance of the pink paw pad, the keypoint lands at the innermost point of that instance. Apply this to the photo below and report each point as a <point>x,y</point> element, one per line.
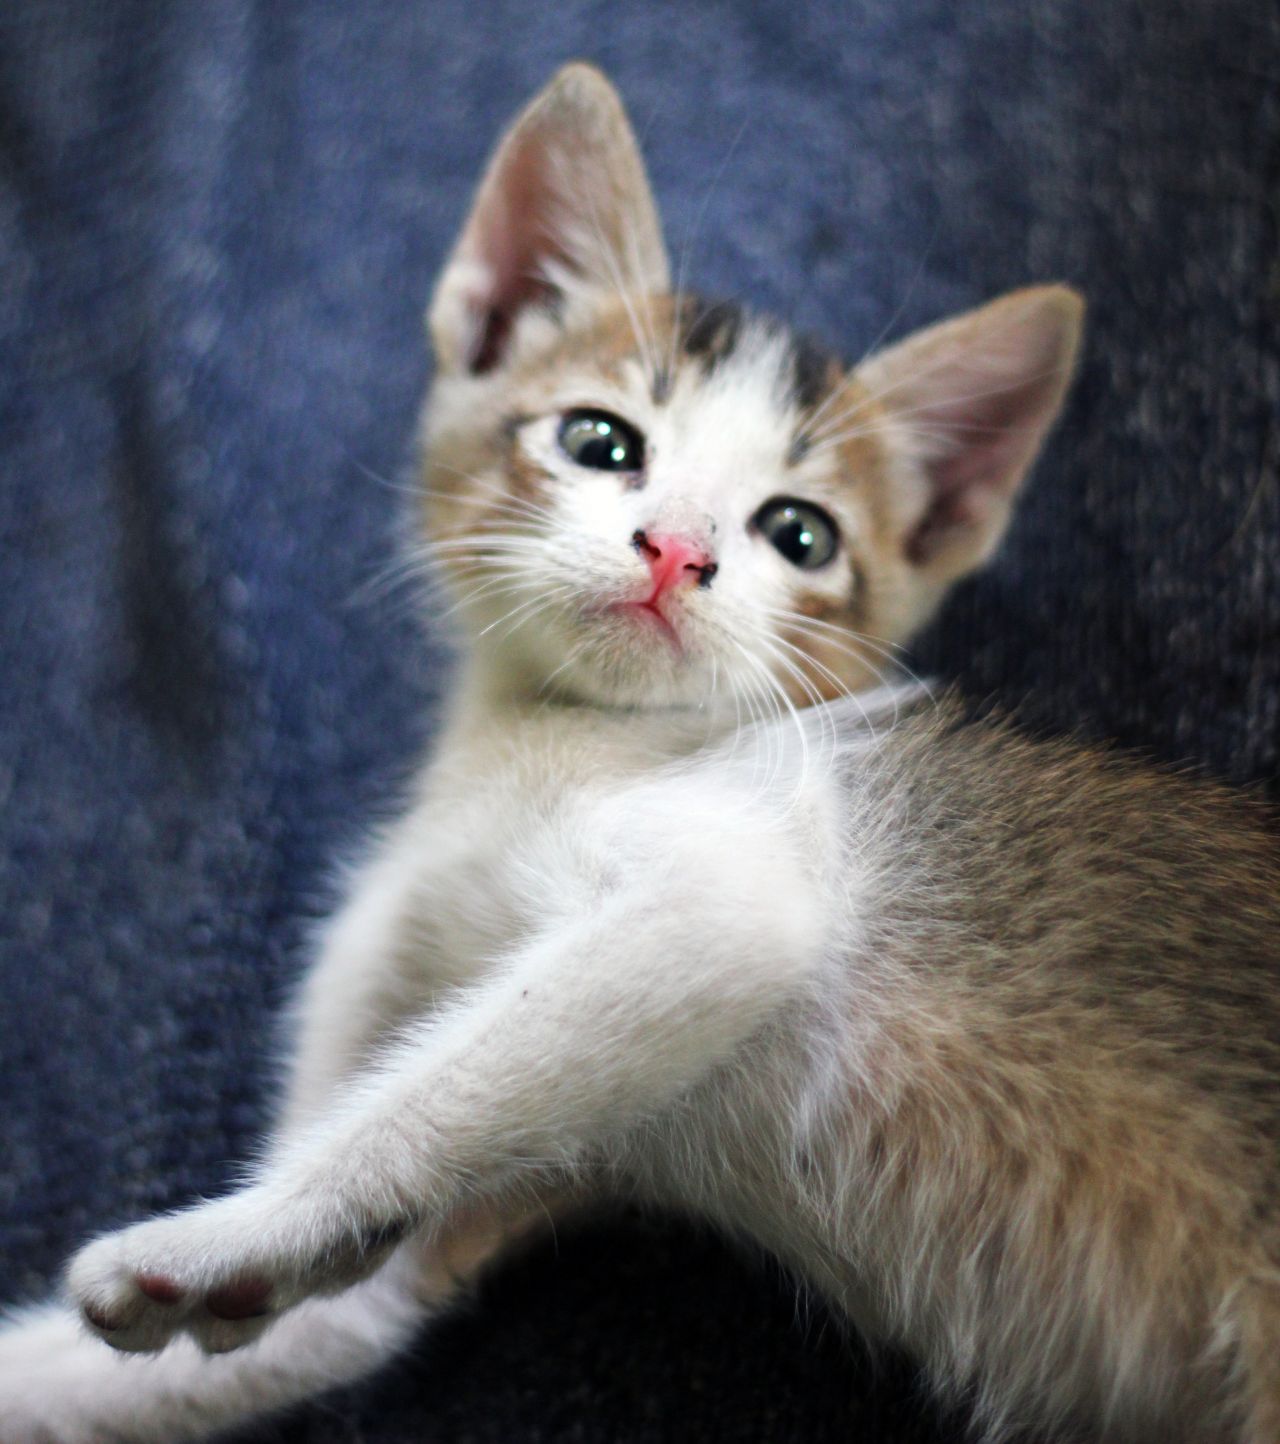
<point>244,1299</point>
<point>100,1319</point>
<point>158,1289</point>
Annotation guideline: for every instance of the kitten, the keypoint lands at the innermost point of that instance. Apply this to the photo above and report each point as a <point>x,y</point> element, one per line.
<point>981,1037</point>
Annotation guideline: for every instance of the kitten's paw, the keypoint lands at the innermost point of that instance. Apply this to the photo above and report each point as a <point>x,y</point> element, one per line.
<point>138,1288</point>
<point>220,1272</point>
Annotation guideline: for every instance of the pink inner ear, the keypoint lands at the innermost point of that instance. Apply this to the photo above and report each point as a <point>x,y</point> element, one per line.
<point>992,438</point>
<point>512,234</point>
<point>564,204</point>
<point>951,512</point>
<point>494,322</point>
<point>983,392</point>
<point>989,443</point>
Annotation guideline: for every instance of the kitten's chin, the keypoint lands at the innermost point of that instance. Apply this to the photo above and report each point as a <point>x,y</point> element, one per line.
<point>616,653</point>
<point>615,660</point>
<point>609,680</point>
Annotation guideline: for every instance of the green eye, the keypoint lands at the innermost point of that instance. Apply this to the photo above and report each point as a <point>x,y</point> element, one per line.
<point>601,441</point>
<point>802,532</point>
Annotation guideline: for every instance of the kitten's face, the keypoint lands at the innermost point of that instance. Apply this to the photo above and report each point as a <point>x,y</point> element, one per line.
<point>675,503</point>
<point>644,500</point>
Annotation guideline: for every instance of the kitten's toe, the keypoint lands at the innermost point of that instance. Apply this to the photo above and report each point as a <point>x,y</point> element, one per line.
<point>220,1271</point>
<point>222,1336</point>
<point>240,1300</point>
<point>136,1310</point>
<point>137,1288</point>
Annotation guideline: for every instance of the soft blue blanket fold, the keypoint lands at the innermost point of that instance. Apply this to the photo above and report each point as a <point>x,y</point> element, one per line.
<point>218,229</point>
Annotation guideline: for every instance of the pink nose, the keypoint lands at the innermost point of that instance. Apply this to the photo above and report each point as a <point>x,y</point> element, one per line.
<point>674,560</point>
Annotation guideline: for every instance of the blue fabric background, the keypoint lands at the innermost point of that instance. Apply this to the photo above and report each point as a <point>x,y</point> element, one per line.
<point>219,223</point>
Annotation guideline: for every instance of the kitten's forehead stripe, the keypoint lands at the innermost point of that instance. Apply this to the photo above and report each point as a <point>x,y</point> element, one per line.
<point>710,330</point>
<point>815,372</point>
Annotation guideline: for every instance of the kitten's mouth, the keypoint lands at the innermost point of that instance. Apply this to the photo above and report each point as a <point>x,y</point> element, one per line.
<point>649,614</point>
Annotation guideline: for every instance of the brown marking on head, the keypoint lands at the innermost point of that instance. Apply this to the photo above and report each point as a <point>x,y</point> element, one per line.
<point>709,330</point>
<point>816,373</point>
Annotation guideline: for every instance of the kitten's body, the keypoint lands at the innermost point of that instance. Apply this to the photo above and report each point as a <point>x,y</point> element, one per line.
<point>973,1095</point>
<point>978,1036</point>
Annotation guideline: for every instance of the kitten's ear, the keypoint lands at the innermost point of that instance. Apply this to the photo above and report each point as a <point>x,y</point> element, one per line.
<point>977,395</point>
<point>565,203</point>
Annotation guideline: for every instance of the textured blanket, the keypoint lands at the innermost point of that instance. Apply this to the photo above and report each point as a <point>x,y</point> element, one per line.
<point>219,224</point>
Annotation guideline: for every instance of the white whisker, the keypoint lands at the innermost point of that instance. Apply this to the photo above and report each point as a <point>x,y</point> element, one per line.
<point>851,642</point>
<point>885,330</point>
<point>780,693</point>
<point>690,236</point>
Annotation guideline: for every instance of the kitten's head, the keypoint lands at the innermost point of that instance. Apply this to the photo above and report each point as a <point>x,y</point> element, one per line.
<point>645,499</point>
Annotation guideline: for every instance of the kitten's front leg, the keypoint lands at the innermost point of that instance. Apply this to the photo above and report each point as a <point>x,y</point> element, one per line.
<point>632,991</point>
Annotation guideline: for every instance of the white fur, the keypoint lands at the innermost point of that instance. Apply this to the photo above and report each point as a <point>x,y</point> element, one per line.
<point>60,1385</point>
<point>562,940</point>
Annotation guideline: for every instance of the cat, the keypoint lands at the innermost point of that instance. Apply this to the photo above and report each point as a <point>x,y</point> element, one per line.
<point>980,1036</point>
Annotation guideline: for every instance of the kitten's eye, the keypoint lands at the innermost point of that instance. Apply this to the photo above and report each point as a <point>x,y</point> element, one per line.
<point>602,441</point>
<point>802,532</point>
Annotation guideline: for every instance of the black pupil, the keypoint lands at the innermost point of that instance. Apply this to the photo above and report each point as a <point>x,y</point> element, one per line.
<point>596,439</point>
<point>801,533</point>
<point>794,540</point>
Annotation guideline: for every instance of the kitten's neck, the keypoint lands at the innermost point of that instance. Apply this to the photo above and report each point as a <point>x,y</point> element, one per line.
<point>490,703</point>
